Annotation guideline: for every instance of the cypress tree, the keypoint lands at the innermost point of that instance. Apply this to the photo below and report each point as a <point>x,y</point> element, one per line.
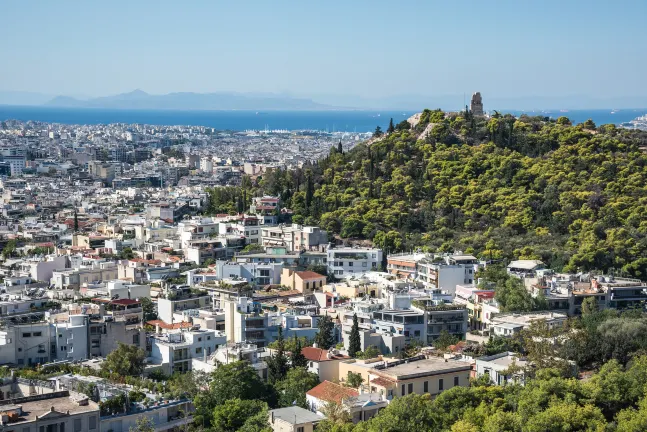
<point>297,358</point>
<point>76,221</point>
<point>391,127</point>
<point>324,338</point>
<point>340,149</point>
<point>277,365</point>
<point>354,343</point>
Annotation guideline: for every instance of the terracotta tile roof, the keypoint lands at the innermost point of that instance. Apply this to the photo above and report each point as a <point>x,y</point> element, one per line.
<point>307,275</point>
<point>125,302</point>
<point>320,355</point>
<point>330,392</point>
<point>174,326</point>
<point>383,382</point>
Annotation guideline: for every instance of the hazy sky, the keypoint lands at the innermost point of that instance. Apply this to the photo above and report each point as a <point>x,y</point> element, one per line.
<point>503,47</point>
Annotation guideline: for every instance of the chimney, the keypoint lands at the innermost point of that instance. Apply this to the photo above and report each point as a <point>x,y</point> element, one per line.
<point>314,345</point>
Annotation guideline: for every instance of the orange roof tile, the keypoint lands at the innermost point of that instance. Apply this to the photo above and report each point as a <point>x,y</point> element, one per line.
<point>320,355</point>
<point>331,392</point>
<point>307,275</point>
<point>174,326</point>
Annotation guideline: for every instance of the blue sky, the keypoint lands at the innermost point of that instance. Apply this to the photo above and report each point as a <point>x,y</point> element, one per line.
<point>502,47</point>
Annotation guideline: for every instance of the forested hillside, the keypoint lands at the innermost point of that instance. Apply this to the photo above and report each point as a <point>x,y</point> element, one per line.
<point>505,187</point>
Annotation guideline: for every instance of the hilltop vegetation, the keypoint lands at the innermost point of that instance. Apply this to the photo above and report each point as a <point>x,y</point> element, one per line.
<point>505,187</point>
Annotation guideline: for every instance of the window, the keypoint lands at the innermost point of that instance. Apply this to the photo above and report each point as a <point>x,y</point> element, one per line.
<point>410,388</point>
<point>36,334</point>
<point>350,263</point>
<point>374,265</point>
<point>26,335</point>
<point>456,381</point>
<point>199,339</point>
<point>441,385</point>
<point>426,387</point>
<point>208,337</point>
<point>198,350</point>
<point>416,333</point>
<point>77,425</point>
<point>300,429</point>
<point>93,422</point>
<point>403,393</point>
<point>136,339</point>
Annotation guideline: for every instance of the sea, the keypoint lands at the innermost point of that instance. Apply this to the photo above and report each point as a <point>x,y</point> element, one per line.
<point>241,120</point>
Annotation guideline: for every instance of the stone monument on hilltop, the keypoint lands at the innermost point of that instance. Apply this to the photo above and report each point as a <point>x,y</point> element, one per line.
<point>476,105</point>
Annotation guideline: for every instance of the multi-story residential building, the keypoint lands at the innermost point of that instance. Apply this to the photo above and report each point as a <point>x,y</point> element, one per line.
<point>173,351</point>
<point>404,266</point>
<point>76,278</point>
<point>181,300</point>
<point>346,261</point>
<point>266,208</point>
<point>16,164</point>
<point>254,273</point>
<point>473,298</point>
<point>27,344</point>
<point>418,375</point>
<point>409,323</point>
<point>295,238</point>
<point>441,317</point>
<point>42,269</point>
<point>245,226</point>
<point>445,273</point>
<point>245,321</point>
<point>71,338</point>
<point>51,411</point>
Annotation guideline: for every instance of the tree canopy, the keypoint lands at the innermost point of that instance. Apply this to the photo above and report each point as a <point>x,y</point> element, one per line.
<point>504,187</point>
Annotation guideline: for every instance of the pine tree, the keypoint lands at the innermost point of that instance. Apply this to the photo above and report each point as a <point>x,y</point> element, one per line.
<point>340,149</point>
<point>324,338</point>
<point>310,190</point>
<point>297,358</point>
<point>354,343</point>
<point>76,221</point>
<point>277,365</point>
<point>391,127</point>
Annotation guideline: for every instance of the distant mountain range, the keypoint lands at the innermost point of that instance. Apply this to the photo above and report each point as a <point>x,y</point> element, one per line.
<point>139,99</point>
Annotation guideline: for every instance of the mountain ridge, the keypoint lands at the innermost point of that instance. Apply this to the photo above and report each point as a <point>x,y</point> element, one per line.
<point>139,99</point>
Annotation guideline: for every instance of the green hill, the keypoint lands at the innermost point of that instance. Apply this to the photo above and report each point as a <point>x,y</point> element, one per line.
<point>574,196</point>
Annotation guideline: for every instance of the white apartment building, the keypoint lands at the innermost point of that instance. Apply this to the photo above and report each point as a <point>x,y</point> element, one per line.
<point>42,270</point>
<point>166,307</point>
<point>174,351</point>
<point>346,261</point>
<point>245,322</point>
<point>445,273</point>
<point>72,338</point>
<point>295,238</point>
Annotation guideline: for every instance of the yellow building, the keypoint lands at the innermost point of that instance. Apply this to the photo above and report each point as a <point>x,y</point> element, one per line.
<point>302,281</point>
<point>433,376</point>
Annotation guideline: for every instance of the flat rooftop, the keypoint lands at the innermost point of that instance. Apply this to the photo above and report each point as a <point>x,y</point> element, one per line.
<point>523,319</point>
<point>430,366</point>
<point>41,407</point>
<point>508,361</point>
